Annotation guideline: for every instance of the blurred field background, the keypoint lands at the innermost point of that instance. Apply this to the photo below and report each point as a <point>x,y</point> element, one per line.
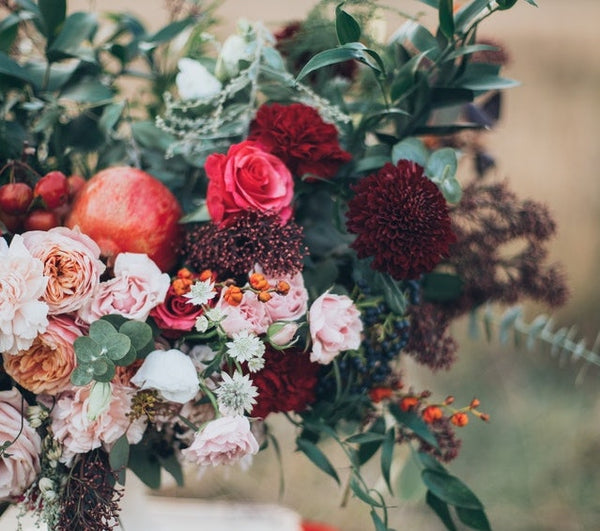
<point>535,465</point>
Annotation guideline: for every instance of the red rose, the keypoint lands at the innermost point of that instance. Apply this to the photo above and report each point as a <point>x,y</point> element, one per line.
<point>286,383</point>
<point>298,135</point>
<point>247,178</point>
<point>175,315</point>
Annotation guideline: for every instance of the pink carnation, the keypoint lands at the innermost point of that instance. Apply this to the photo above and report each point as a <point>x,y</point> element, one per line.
<point>335,326</point>
<point>72,264</point>
<point>292,306</point>
<point>223,441</point>
<point>137,287</point>
<point>20,465</point>
<point>78,434</point>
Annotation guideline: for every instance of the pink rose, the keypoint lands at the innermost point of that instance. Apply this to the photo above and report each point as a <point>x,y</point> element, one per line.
<point>223,441</point>
<point>250,314</point>
<point>72,264</point>
<point>247,178</point>
<point>335,326</point>
<point>292,306</point>
<point>46,366</point>
<point>20,466</point>
<point>137,287</point>
<point>79,434</point>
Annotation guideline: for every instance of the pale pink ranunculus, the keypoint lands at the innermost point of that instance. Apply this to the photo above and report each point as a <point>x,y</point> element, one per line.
<point>46,366</point>
<point>20,466</point>
<point>72,264</point>
<point>288,307</point>
<point>223,441</point>
<point>247,178</point>
<point>137,287</point>
<point>22,315</point>
<point>250,314</point>
<point>79,434</point>
<point>335,326</point>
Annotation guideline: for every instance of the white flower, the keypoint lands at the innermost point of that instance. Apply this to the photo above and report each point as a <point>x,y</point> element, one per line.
<point>256,364</point>
<point>22,282</point>
<point>216,315</point>
<point>171,373</point>
<point>201,324</point>
<point>236,394</point>
<point>233,51</point>
<point>201,292</point>
<point>245,346</point>
<point>195,82</point>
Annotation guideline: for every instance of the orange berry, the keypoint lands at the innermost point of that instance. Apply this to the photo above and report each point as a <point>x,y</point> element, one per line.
<point>484,416</point>
<point>459,419</point>
<point>184,272</point>
<point>432,413</point>
<point>207,274</point>
<point>283,287</point>
<point>181,285</point>
<point>408,403</point>
<point>377,394</point>
<point>474,403</point>
<point>259,282</point>
<point>233,295</point>
<point>264,296</point>
<point>449,400</point>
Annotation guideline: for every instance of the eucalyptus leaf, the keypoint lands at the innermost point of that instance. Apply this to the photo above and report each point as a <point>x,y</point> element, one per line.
<point>86,349</point>
<point>172,465</point>
<point>101,330</point>
<point>117,346</point>
<point>138,332</point>
<point>314,453</point>
<point>410,149</point>
<point>82,375</point>
<point>145,465</point>
<point>450,489</point>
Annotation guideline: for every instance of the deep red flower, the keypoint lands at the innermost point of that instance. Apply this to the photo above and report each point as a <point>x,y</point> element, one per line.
<point>401,219</point>
<point>298,135</point>
<point>286,383</point>
<point>175,315</point>
<point>317,526</point>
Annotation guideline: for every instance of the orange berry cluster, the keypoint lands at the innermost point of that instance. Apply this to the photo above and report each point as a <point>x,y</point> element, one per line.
<point>433,412</point>
<point>185,278</point>
<point>258,284</point>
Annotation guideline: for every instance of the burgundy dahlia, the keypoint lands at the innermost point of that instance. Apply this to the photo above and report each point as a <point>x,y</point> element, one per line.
<point>401,220</point>
<point>286,383</point>
<point>298,135</point>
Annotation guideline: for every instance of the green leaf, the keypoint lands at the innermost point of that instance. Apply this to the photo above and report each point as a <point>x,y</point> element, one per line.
<point>101,330</point>
<point>88,90</point>
<point>377,521</point>
<point>117,346</point>
<point>118,456</point>
<point>9,27</point>
<point>313,452</point>
<point>110,117</point>
<point>170,31</point>
<point>422,40</point>
<point>138,332</point>
<point>484,83</point>
<point>104,370</point>
<point>442,164</point>
<point>150,136</point>
<point>387,454</point>
<point>450,489</point>
<point>346,26</point>
<point>369,449</point>
<point>415,423</point>
<point>471,48</point>
<point>76,29</point>
<point>362,494</point>
<point>82,375</point>
<point>371,163</point>
<point>441,287</point>
<point>393,294</point>
<point>145,465</point>
<point>172,465</point>
<point>53,15</point>
<point>474,518</point>
<point>409,485</point>
<point>531,2</point>
<point>468,12</point>
<point>86,349</point>
<point>451,190</point>
<point>329,57</point>
<point>505,4</point>
<point>361,438</point>
<point>441,509</point>
<point>11,68</point>
<point>410,149</point>
<point>446,18</point>
<point>428,461</point>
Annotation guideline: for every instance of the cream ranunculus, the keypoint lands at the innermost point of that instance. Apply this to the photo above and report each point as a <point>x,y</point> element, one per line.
<point>22,283</point>
<point>171,372</point>
<point>194,81</point>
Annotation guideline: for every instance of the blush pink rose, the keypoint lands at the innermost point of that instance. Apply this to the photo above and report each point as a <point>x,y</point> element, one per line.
<point>20,466</point>
<point>250,314</point>
<point>247,178</point>
<point>288,307</point>
<point>137,287</point>
<point>72,264</point>
<point>78,434</point>
<point>335,326</point>
<point>223,441</point>
<point>46,366</point>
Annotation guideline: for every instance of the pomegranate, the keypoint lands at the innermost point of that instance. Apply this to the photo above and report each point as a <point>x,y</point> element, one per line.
<point>41,220</point>
<point>15,198</point>
<point>127,210</point>
<point>53,188</point>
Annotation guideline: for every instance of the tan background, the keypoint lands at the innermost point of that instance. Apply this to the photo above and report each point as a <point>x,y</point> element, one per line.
<point>535,465</point>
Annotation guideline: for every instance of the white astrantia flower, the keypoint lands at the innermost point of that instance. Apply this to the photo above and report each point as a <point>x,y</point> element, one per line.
<point>256,364</point>
<point>201,324</point>
<point>194,81</point>
<point>245,346</point>
<point>171,372</point>
<point>201,292</point>
<point>236,394</point>
<point>215,315</point>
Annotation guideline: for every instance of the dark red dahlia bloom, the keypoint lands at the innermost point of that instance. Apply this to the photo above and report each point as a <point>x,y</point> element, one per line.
<point>286,383</point>
<point>401,219</point>
<point>298,135</point>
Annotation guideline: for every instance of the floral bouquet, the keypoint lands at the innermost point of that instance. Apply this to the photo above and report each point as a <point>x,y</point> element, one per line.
<point>272,225</point>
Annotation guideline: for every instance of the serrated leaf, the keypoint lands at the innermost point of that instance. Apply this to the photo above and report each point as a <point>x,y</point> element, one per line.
<point>346,26</point>
<point>387,455</point>
<point>450,489</point>
<point>314,453</point>
<point>441,509</point>
<point>362,494</point>
<point>415,423</point>
<point>474,518</point>
<point>446,17</point>
<point>410,149</point>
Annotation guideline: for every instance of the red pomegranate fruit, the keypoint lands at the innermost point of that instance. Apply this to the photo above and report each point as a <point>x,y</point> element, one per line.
<point>128,210</point>
<point>41,220</point>
<point>15,198</point>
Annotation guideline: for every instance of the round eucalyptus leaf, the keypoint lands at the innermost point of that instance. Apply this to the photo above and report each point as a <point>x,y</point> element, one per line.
<point>100,330</point>
<point>82,375</point>
<point>86,349</point>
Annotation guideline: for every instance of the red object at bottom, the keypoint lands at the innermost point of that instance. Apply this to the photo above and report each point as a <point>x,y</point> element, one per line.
<point>316,526</point>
